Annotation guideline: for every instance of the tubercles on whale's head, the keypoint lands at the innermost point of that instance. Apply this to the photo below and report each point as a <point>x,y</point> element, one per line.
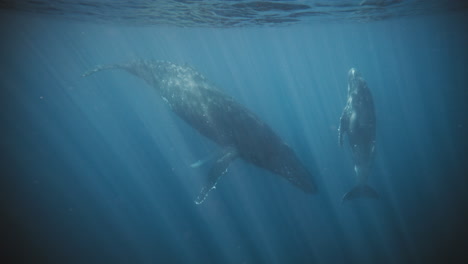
<point>353,73</point>
<point>355,80</point>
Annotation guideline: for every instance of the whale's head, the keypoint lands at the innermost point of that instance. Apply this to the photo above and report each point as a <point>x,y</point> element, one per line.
<point>355,80</point>
<point>286,164</point>
<point>353,73</point>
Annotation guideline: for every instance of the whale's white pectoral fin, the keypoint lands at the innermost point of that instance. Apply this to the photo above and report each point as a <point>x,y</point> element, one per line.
<point>202,162</point>
<point>197,164</point>
<point>219,169</point>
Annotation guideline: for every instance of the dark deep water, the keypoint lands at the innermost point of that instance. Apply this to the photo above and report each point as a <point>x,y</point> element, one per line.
<point>97,169</point>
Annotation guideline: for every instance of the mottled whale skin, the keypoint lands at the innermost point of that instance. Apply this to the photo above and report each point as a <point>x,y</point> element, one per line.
<point>358,122</point>
<point>239,132</point>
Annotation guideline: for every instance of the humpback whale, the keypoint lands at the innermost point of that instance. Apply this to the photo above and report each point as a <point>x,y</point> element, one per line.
<point>217,116</point>
<point>358,121</point>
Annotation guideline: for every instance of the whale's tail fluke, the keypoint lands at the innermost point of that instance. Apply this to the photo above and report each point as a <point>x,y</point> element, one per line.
<point>361,191</point>
<point>99,68</point>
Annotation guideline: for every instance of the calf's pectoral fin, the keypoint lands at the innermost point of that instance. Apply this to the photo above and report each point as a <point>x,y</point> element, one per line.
<point>343,126</point>
<point>219,169</point>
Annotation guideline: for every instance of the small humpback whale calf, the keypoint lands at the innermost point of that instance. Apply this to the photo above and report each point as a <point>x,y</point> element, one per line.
<point>358,121</point>
<point>217,116</point>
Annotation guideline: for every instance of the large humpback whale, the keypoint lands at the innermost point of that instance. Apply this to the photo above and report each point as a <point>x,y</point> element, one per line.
<point>358,121</point>
<point>239,132</point>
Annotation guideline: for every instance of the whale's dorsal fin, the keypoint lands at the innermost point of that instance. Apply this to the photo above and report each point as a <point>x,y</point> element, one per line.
<point>219,169</point>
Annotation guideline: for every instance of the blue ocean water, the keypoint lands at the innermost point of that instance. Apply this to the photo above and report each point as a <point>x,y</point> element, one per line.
<point>97,169</point>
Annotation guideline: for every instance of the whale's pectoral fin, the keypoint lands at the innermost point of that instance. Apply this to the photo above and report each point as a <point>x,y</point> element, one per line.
<point>202,162</point>
<point>343,128</point>
<point>198,163</point>
<point>219,169</point>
